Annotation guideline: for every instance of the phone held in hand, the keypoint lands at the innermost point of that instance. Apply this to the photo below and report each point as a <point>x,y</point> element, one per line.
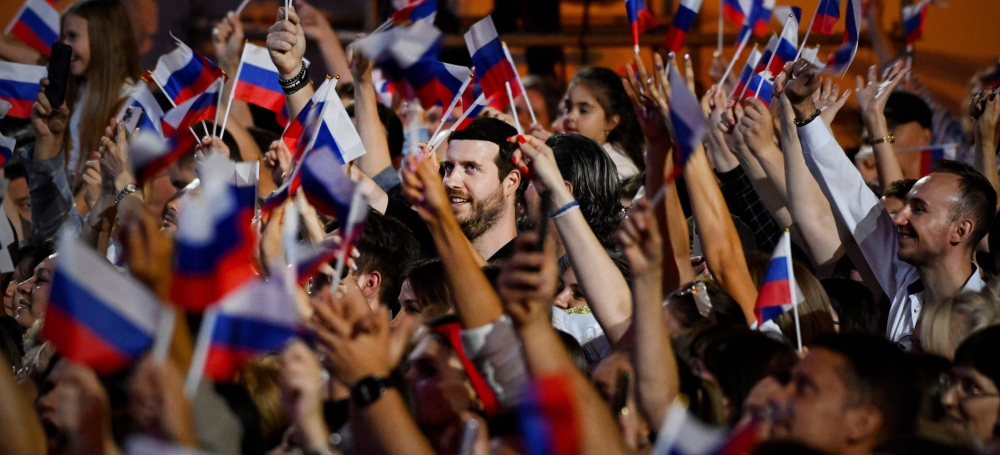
<point>131,118</point>
<point>58,74</point>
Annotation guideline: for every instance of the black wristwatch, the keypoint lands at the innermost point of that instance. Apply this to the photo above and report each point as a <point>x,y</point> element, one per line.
<point>368,390</point>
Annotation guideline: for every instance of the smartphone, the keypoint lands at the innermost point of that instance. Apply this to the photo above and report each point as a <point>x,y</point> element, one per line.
<point>131,118</point>
<point>58,74</point>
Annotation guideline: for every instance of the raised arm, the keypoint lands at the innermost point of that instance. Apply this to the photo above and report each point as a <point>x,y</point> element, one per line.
<point>853,203</point>
<point>376,162</point>
<point>872,97</point>
<point>525,290</point>
<point>475,301</point>
<point>286,42</point>
<point>603,285</point>
<point>227,39</point>
<point>768,190</point>
<point>317,28</point>
<point>986,110</point>
<point>659,173</point>
<point>657,381</point>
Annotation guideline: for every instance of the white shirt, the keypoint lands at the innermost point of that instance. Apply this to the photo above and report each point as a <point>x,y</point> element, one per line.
<point>861,212</point>
<point>623,164</point>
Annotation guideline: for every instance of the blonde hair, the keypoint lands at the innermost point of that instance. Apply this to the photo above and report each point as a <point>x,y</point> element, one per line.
<point>943,326</point>
<point>114,61</point>
<point>261,377</point>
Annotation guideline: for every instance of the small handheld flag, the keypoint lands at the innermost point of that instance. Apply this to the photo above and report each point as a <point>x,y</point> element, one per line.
<point>202,106</point>
<point>781,12</point>
<point>826,17</point>
<point>736,11</point>
<point>687,11</point>
<point>779,291</point>
<point>913,20</point>
<point>493,70</point>
<point>416,11</point>
<point>786,47</point>
<point>257,84</point>
<point>96,315</point>
<point>183,73</point>
<point>19,87</point>
<point>746,74</point>
<point>639,20</point>
<point>762,17</point>
<point>36,24</point>
<point>762,85</point>
<point>841,59</point>
<point>7,145</point>
<point>150,154</point>
<point>151,111</point>
<point>932,154</point>
<point>686,118</point>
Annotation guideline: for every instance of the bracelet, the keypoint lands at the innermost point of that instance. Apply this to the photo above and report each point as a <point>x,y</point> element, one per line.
<point>561,211</point>
<point>129,189</point>
<point>296,83</point>
<point>889,139</point>
<point>805,122</point>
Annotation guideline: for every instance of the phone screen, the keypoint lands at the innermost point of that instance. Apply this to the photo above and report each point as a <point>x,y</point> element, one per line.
<point>58,74</point>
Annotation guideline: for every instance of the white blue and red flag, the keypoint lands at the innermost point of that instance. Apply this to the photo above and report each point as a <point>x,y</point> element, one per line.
<point>493,70</point>
<point>761,18</point>
<point>257,82</point>
<point>827,15</point>
<point>36,24</point>
<point>331,128</point>
<point>473,109</point>
<point>841,59</point>
<point>934,153</point>
<point>779,292</point>
<point>293,132</point>
<point>686,117</point>
<point>150,154</point>
<point>183,73</point>
<point>761,87</point>
<point>765,56</point>
<point>746,73</point>
<point>98,316</point>
<point>324,184</point>
<point>783,11</point>
<point>549,421</point>
<point>416,11</point>
<point>736,11</point>
<point>151,111</point>
<point>434,83</point>
<point>7,145</point>
<point>202,106</point>
<point>787,46</point>
<point>687,11</point>
<point>913,20</point>
<point>259,317</point>
<point>214,247</point>
<point>19,87</point>
<point>640,18</point>
<point>996,76</point>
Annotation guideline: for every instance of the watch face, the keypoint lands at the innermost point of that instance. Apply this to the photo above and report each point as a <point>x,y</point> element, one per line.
<point>367,390</point>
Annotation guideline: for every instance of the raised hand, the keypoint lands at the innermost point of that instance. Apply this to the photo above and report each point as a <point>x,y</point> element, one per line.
<point>873,95</point>
<point>286,42</point>
<point>361,66</point>
<point>528,281</point>
<point>423,188</point>
<point>279,160</point>
<point>987,113</point>
<point>214,144</point>
<point>93,185</point>
<point>801,81</point>
<point>757,129</point>
<point>301,393</point>
<point>829,100</point>
<point>649,95</point>
<point>640,240</point>
<point>356,346</point>
<point>541,162</point>
<point>49,124</point>
<point>227,40</point>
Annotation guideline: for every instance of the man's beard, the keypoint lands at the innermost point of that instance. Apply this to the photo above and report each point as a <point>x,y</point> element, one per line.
<point>483,214</point>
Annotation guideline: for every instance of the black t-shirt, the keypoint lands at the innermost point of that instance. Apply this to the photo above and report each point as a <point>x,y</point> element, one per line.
<point>402,212</point>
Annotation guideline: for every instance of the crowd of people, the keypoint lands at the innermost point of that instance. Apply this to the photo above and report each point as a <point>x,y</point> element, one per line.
<point>578,288</point>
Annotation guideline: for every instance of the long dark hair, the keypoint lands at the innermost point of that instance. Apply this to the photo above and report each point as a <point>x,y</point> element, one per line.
<point>589,169</point>
<point>606,86</point>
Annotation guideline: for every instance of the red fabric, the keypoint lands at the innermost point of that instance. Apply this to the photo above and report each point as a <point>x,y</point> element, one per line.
<point>490,402</point>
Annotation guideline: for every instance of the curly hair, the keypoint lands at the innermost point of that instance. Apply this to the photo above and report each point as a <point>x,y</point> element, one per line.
<point>586,166</point>
<point>606,86</point>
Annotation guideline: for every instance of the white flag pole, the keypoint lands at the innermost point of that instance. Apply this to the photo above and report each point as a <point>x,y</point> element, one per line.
<point>524,93</point>
<point>739,50</point>
<point>513,109</point>
<point>218,107</point>
<point>722,25</point>
<point>451,107</point>
<point>240,8</point>
<point>196,137</point>
<point>164,334</point>
<point>792,287</point>
<point>200,355</point>
<point>808,30</point>
<point>232,92</point>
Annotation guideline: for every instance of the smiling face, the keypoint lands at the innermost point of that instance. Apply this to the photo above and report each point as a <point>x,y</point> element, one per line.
<point>583,114</point>
<point>570,296</point>
<point>76,35</point>
<point>479,197</point>
<point>34,293</point>
<point>926,224</point>
<point>971,404</point>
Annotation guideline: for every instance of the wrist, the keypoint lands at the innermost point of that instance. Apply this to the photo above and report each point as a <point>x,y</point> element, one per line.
<point>804,109</point>
<point>288,74</point>
<point>124,179</point>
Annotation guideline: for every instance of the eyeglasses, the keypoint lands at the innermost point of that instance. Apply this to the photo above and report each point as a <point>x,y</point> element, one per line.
<point>965,388</point>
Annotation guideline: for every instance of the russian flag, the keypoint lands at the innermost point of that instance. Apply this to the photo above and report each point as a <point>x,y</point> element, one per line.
<point>472,111</point>
<point>325,185</point>
<point>257,81</point>
<point>36,24</point>
<point>841,59</point>
<point>214,248</point>
<point>786,48</point>
<point>416,11</point>
<point>332,129</point>
<point>765,57</point>
<point>493,70</point>
<point>202,107</point>
<point>996,76</point>
<point>183,73</point>
<point>97,315</point>
<point>762,17</point>
<point>7,145</point>
<point>811,55</point>
<point>736,11</point>
<point>687,10</point>
<point>549,419</point>
<point>779,292</point>
<point>150,154</point>
<point>933,154</point>
<point>416,54</point>
<point>913,20</point>
<point>308,264</point>
<point>827,15</point>
<point>152,114</point>
<point>260,317</point>
<point>19,87</point>
<point>761,87</point>
<point>747,73</point>
<point>687,119</point>
<point>293,132</point>
<point>640,18</point>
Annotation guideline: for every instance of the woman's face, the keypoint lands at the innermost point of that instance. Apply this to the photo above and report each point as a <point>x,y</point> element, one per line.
<point>570,296</point>
<point>34,293</point>
<point>971,404</point>
<point>583,115</point>
<point>9,304</point>
<point>76,36</point>
<point>441,389</point>
<point>409,307</point>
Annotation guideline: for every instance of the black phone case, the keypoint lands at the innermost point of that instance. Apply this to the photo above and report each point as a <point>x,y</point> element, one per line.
<point>58,74</point>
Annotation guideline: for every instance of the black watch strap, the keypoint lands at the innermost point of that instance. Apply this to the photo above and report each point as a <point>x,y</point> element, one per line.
<point>368,390</point>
